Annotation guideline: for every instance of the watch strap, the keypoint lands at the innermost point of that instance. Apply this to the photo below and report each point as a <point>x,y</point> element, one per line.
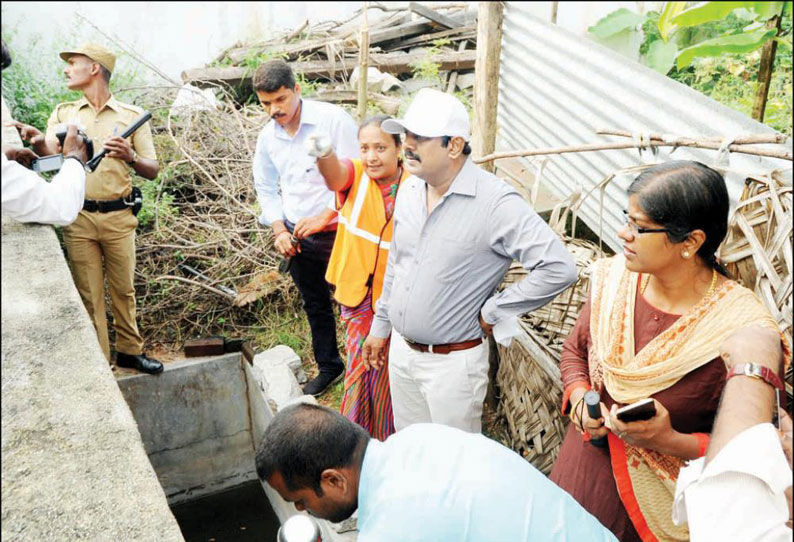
<point>754,370</point>
<point>134,158</point>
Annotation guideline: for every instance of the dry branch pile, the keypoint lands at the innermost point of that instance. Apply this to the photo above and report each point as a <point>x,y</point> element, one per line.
<point>203,215</point>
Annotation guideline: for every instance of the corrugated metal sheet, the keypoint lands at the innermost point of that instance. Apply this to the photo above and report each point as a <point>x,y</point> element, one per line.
<point>558,89</point>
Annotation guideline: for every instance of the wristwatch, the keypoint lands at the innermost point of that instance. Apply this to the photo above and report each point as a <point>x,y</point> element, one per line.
<point>754,370</point>
<point>134,158</point>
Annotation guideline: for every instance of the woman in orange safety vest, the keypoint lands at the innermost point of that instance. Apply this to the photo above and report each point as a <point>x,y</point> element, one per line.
<point>366,190</point>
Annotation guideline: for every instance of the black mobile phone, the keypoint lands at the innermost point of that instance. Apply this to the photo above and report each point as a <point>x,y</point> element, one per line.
<point>52,162</point>
<point>644,409</point>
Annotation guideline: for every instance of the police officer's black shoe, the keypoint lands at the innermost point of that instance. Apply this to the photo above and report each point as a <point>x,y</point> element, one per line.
<point>139,362</point>
<point>323,381</point>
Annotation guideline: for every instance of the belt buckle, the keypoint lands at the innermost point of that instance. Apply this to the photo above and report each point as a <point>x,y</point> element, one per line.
<point>430,348</point>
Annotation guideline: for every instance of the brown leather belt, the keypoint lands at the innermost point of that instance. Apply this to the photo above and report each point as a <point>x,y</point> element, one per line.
<point>443,348</point>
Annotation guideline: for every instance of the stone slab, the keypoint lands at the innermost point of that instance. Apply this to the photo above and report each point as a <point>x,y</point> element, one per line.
<point>195,424</point>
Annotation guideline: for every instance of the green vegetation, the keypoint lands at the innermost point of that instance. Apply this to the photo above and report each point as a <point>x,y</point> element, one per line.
<point>713,47</point>
<point>427,67</point>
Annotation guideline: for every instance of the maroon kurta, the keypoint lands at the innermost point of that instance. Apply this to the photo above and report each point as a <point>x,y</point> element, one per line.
<point>584,470</point>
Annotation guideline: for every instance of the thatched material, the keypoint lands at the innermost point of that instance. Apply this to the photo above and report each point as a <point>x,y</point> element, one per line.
<point>758,249</point>
<point>529,377</point>
<point>530,402</point>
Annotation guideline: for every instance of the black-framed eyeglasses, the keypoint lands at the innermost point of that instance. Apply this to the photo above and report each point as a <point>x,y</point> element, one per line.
<point>635,229</point>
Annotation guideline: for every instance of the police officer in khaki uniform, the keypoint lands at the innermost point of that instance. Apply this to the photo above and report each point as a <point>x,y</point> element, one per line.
<point>103,236</point>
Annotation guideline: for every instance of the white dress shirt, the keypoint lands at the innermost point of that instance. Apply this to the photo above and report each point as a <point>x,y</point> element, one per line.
<point>282,160</point>
<point>739,496</point>
<point>27,197</point>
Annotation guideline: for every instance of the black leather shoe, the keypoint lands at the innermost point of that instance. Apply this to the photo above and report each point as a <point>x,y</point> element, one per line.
<point>322,381</point>
<point>139,362</point>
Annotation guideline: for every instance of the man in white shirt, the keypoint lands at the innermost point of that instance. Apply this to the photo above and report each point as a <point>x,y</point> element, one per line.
<point>296,203</point>
<point>26,196</point>
<point>737,492</point>
<point>426,483</point>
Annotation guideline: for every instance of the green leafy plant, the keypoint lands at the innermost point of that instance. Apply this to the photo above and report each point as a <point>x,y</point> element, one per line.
<point>308,88</point>
<point>155,202</point>
<point>427,67</point>
<point>713,47</point>
<point>685,34</point>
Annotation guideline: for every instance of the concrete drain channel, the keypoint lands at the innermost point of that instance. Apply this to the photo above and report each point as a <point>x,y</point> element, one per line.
<point>200,421</point>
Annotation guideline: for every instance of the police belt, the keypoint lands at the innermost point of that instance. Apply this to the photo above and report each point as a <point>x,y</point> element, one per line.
<point>94,206</point>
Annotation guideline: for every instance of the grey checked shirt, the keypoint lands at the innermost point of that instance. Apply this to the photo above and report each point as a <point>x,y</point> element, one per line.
<point>444,268</point>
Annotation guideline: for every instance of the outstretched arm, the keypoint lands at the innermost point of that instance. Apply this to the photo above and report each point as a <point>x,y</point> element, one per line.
<point>334,172</point>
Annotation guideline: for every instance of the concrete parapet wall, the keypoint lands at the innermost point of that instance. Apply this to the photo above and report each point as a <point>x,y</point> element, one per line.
<point>73,464</point>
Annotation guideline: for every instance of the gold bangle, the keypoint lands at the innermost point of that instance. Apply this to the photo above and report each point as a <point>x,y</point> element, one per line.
<point>573,410</point>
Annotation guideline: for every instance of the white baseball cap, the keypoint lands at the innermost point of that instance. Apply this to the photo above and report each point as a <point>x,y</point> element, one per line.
<point>432,114</point>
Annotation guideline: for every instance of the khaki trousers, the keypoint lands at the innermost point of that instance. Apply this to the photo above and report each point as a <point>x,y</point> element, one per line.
<point>100,244</point>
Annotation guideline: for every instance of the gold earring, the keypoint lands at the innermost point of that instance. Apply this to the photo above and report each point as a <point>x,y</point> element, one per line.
<point>685,254</point>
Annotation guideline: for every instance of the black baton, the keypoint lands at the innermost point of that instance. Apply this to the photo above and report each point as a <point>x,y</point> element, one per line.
<point>92,164</point>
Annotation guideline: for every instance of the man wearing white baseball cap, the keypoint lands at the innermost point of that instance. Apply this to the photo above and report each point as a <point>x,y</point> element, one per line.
<point>457,228</point>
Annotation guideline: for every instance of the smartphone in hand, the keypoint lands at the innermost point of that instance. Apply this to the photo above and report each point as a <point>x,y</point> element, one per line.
<point>644,409</point>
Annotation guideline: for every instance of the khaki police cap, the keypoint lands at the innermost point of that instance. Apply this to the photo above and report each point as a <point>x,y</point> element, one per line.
<point>95,52</point>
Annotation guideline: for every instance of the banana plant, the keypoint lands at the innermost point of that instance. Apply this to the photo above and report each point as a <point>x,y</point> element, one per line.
<point>675,49</point>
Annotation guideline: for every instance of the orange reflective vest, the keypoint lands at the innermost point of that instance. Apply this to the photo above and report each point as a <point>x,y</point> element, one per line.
<point>361,249</point>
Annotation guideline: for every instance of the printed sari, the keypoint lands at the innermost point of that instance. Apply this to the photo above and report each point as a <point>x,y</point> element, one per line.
<point>367,398</point>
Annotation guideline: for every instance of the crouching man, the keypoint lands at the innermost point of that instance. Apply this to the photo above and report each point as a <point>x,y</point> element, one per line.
<point>426,483</point>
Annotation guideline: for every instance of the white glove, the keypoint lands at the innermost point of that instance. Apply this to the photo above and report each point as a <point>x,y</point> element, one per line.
<point>319,145</point>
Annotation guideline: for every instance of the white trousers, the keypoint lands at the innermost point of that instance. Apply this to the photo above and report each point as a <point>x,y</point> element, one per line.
<point>438,388</point>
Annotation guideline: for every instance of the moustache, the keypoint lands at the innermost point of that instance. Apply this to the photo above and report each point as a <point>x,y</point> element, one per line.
<point>411,156</point>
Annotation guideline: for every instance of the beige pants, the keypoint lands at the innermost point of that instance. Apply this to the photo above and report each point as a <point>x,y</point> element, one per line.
<point>437,388</point>
<point>100,244</point>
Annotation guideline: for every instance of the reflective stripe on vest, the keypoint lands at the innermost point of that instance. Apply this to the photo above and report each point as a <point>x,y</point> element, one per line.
<point>352,224</point>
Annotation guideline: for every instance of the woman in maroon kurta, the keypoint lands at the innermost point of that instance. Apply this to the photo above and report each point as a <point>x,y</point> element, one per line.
<point>584,470</point>
<point>652,328</point>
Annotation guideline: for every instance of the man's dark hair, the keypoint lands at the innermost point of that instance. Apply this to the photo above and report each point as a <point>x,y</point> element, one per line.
<point>6,60</point>
<point>683,196</point>
<point>105,73</point>
<point>303,440</point>
<point>445,142</point>
<point>272,75</point>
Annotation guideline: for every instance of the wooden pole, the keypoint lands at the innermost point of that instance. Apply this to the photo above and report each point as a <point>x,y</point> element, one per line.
<point>682,142</point>
<point>363,56</point>
<point>765,70</point>
<point>554,6</point>
<point>486,78</point>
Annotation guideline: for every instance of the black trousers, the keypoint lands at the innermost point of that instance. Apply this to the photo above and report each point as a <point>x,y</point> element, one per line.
<point>308,271</point>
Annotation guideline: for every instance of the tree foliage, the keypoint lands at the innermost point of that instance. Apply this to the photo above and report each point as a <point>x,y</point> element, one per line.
<point>713,47</point>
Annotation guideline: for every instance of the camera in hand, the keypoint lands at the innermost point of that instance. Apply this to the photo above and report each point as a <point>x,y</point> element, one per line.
<point>60,133</point>
<point>54,162</point>
<point>639,411</point>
